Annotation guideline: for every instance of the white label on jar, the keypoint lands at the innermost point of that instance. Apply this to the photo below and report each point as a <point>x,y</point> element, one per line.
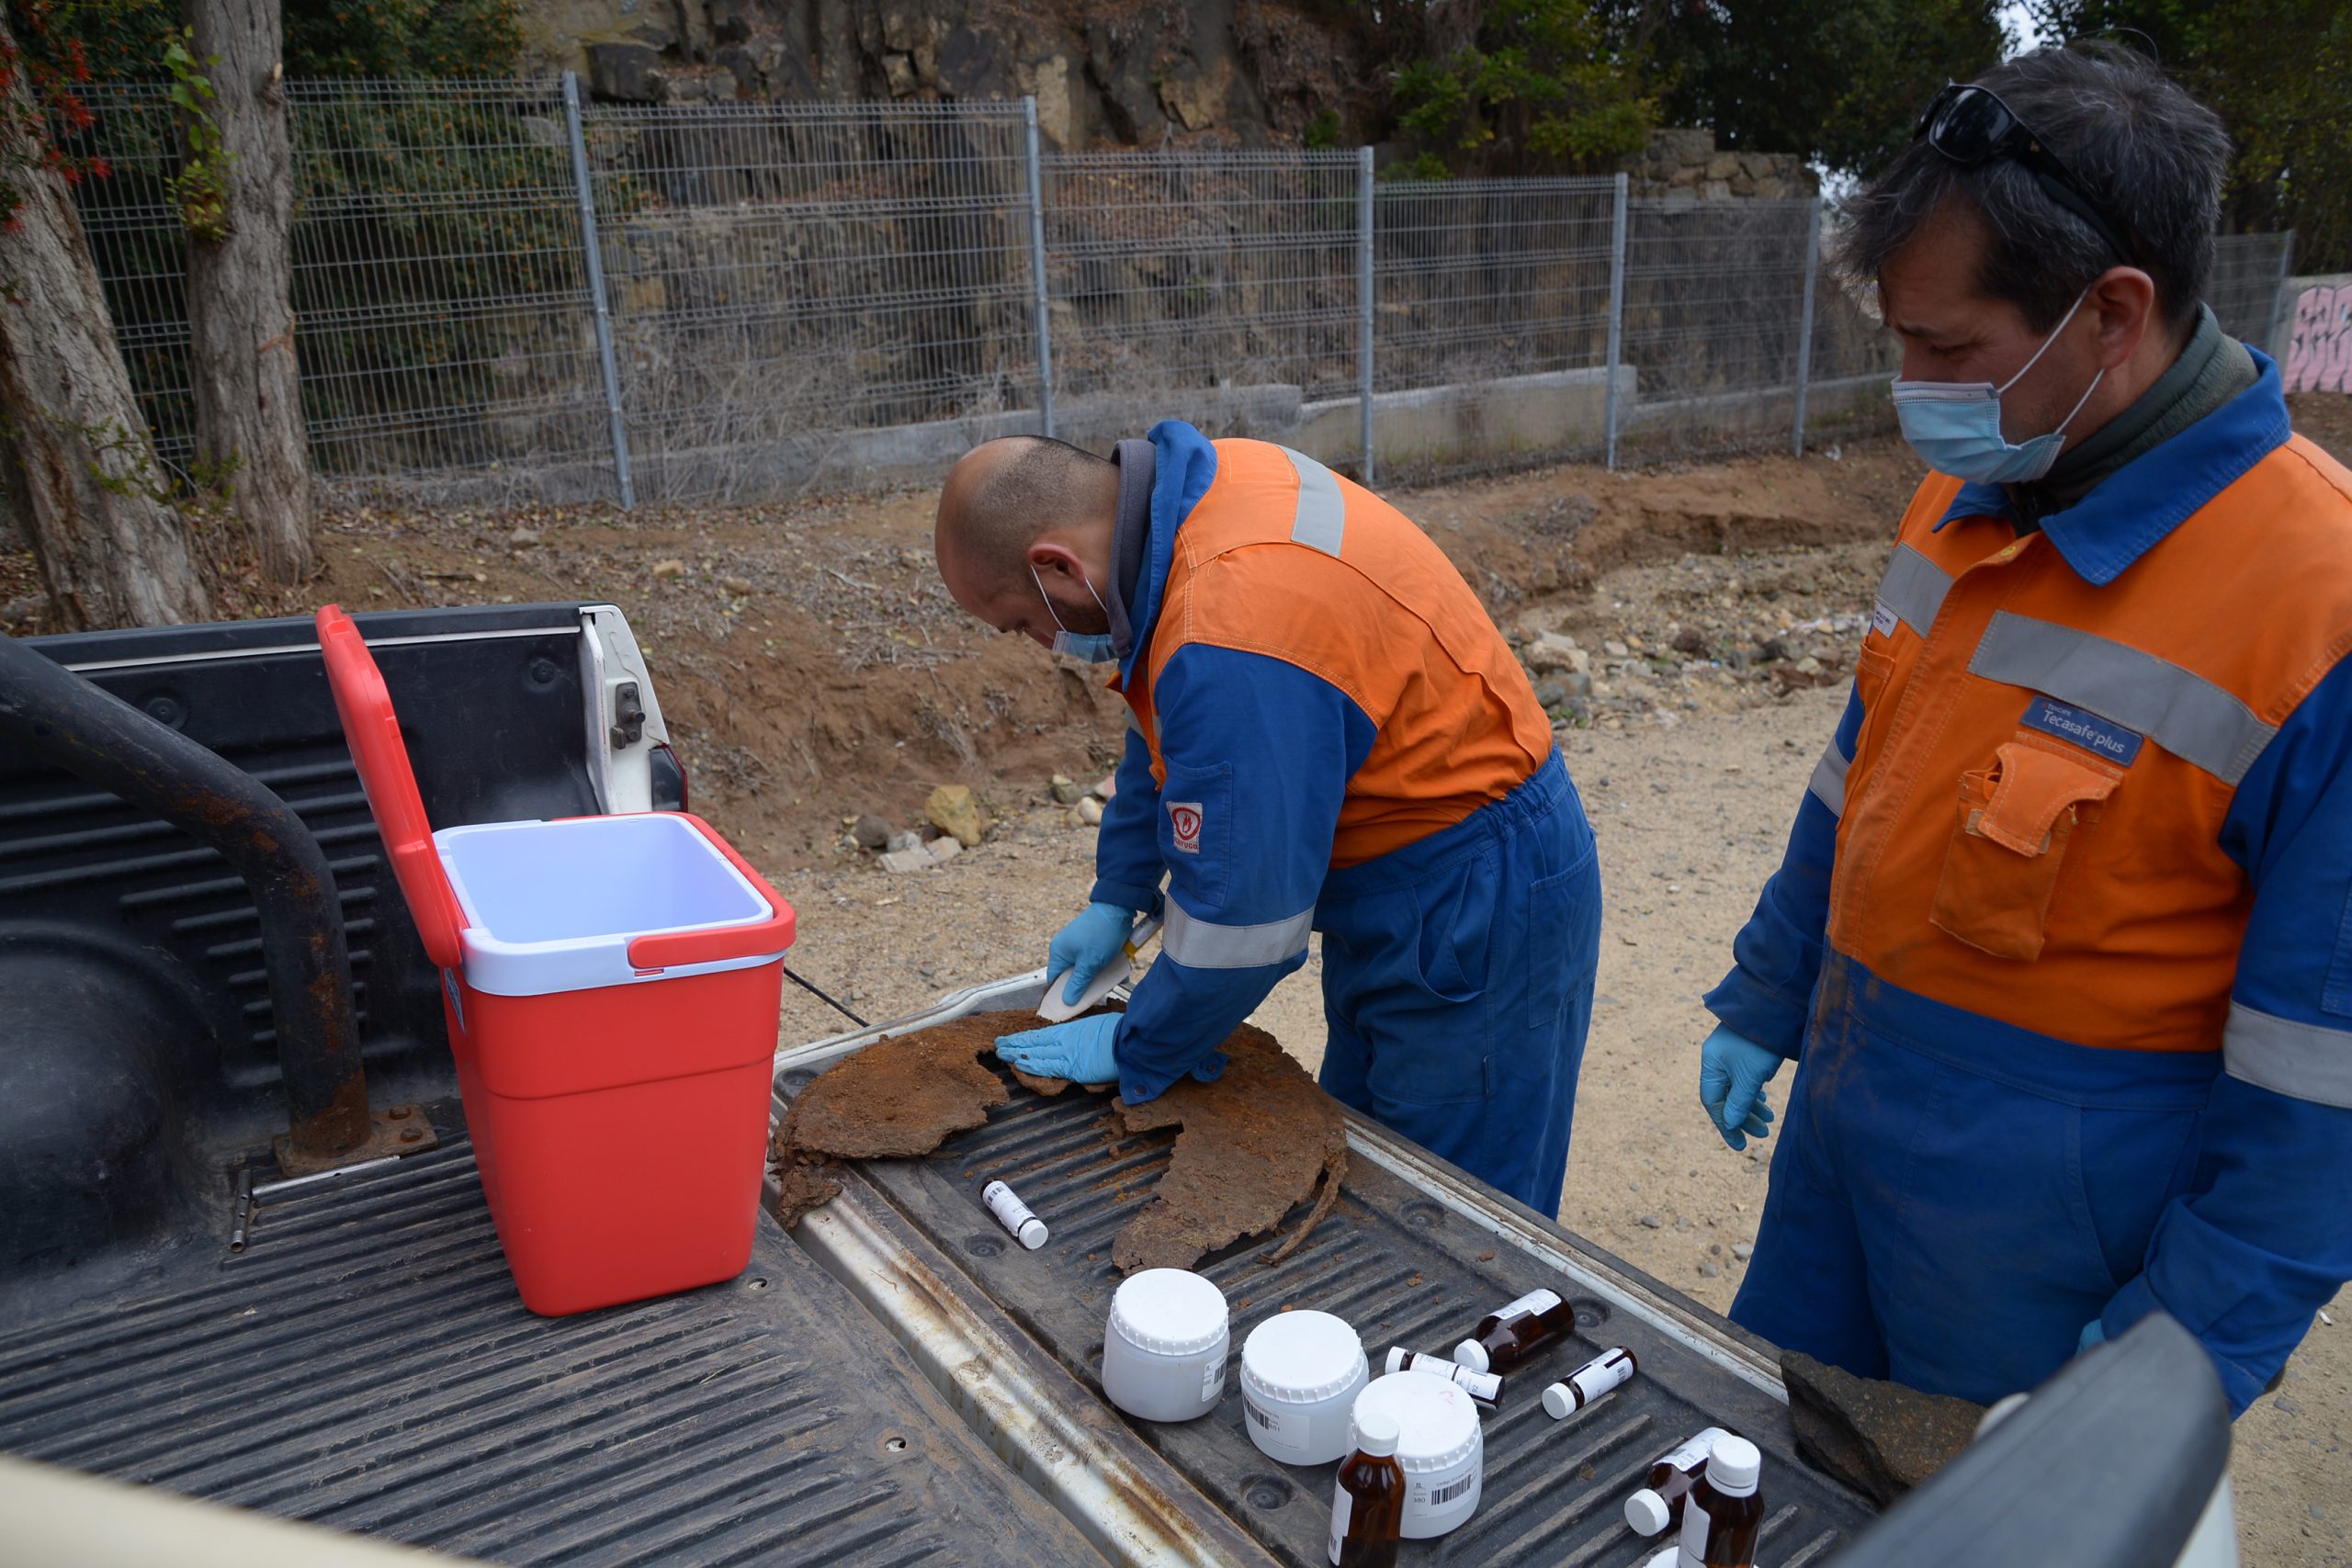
<point>1452,1489</point>
<point>1273,1429</point>
<point>1342,1510</point>
<point>1534,1300</point>
<point>1212,1380</point>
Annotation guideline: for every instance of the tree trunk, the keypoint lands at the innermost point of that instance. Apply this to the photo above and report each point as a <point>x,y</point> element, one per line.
<point>80,471</point>
<point>241,352</point>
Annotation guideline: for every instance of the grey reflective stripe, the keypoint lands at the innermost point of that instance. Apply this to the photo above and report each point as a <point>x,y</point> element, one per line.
<point>1914,588</point>
<point>1828,784</point>
<point>2302,1061</point>
<point>1322,519</point>
<point>2185,713</point>
<point>1204,944</point>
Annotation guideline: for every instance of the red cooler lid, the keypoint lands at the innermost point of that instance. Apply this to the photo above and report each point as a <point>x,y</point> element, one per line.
<point>373,732</point>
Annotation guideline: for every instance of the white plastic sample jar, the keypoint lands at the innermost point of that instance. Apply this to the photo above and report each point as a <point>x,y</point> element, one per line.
<point>1441,1447</point>
<point>1300,1374</point>
<point>1165,1347</point>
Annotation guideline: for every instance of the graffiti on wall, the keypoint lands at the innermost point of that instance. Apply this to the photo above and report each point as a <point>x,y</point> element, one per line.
<point>2318,356</point>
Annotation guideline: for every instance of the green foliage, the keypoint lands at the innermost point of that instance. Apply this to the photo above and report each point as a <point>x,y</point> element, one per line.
<point>201,186</point>
<point>1524,87</point>
<point>2280,75</point>
<point>1323,130</point>
<point>1421,166</point>
<point>1840,82</point>
<point>129,39</point>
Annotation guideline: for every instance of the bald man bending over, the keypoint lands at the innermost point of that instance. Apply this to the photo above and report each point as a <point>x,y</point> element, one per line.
<point>1326,733</point>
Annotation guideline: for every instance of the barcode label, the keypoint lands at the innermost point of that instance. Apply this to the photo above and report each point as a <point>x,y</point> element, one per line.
<point>1260,1417</point>
<point>1452,1489</point>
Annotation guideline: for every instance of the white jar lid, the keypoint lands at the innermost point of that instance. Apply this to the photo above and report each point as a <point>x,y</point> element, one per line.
<point>1302,1358</point>
<point>1439,1422</point>
<point>1170,1311</point>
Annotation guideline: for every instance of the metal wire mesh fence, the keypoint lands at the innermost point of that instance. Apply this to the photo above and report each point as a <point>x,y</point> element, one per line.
<point>1218,285</point>
<point>503,292</point>
<point>786,279</point>
<point>1491,321</point>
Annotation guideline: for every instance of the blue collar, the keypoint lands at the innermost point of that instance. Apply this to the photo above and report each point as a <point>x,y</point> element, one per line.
<point>2122,519</point>
<point>1184,467</point>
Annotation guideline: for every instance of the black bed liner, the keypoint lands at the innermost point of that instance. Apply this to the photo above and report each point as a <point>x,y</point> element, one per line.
<point>366,1365</point>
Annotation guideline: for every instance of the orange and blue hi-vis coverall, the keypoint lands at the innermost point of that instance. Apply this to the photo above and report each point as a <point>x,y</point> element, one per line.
<point>1328,733</point>
<point>2062,941</point>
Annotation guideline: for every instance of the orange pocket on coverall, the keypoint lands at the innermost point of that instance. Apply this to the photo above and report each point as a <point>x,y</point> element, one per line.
<point>2016,818</point>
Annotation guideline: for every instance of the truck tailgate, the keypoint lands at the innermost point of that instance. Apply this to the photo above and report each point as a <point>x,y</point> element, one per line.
<point>366,1364</point>
<point>1415,1252</point>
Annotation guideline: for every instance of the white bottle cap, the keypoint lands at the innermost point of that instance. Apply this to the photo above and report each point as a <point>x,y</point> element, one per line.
<point>1733,1466</point>
<point>1033,1233</point>
<point>1397,1354</point>
<point>1647,1512</point>
<point>1559,1402</point>
<point>1377,1433</point>
<point>1471,1354</point>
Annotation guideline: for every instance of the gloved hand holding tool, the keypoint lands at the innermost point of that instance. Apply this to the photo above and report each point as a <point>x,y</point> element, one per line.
<point>1733,1071</point>
<point>1093,950</point>
<point>1083,1050</point>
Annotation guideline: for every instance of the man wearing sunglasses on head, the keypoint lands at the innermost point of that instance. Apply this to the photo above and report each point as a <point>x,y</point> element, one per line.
<point>2062,945</point>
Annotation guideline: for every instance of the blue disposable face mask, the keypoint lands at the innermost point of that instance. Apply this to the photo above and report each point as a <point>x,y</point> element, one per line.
<point>1956,425</point>
<point>1092,648</point>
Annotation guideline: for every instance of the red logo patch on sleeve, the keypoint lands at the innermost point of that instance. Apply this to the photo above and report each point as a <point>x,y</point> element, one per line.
<point>1184,817</point>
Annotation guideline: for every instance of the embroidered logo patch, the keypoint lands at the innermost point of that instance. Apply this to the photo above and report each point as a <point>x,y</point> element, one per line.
<point>1883,618</point>
<point>1184,817</point>
<point>2100,737</point>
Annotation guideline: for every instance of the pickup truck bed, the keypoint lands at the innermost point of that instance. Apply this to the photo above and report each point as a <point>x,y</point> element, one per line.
<point>1414,1253</point>
<point>895,1382</point>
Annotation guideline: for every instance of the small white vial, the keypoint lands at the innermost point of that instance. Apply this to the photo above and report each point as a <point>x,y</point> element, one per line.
<point>1487,1388</point>
<point>1014,1215</point>
<point>1597,1379</point>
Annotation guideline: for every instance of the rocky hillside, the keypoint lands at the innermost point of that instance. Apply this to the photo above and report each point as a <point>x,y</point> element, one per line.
<point>1250,72</point>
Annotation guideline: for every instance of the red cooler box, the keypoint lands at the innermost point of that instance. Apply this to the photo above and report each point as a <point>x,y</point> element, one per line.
<point>612,986</point>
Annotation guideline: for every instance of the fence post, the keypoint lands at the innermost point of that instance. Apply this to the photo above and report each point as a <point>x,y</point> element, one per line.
<point>1037,264</point>
<point>1364,305</point>
<point>595,253</point>
<point>1616,318</point>
<point>1805,318</point>
<point>2278,289</point>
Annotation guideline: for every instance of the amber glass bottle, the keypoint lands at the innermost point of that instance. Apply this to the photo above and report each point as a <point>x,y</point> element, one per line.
<point>1505,1337</point>
<point>1723,1513</point>
<point>1368,1501</point>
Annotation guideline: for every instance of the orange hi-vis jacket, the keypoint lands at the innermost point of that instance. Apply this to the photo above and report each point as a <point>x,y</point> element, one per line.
<point>1283,557</point>
<point>2033,813</point>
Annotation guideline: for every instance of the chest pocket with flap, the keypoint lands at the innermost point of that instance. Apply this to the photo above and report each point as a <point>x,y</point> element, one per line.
<point>2016,819</point>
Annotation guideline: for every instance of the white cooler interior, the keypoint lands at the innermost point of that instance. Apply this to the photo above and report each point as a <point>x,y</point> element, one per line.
<point>598,877</point>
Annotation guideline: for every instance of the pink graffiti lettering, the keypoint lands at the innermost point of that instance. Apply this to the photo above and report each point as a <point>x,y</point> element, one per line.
<point>2319,358</point>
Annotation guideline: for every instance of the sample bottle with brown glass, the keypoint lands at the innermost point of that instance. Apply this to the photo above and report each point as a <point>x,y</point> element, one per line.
<point>1657,1506</point>
<point>1368,1501</point>
<point>1723,1514</point>
<point>1505,1337</point>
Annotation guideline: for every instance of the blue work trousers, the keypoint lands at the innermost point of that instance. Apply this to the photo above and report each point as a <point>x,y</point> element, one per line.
<point>1457,985</point>
<point>1953,1197</point>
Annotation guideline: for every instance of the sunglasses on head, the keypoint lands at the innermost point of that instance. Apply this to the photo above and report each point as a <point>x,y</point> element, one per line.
<point>1970,125</point>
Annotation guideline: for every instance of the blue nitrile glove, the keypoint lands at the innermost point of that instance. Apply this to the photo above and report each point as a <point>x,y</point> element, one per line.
<point>1083,1050</point>
<point>1733,1071</point>
<point>2094,1333</point>
<point>1086,944</point>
